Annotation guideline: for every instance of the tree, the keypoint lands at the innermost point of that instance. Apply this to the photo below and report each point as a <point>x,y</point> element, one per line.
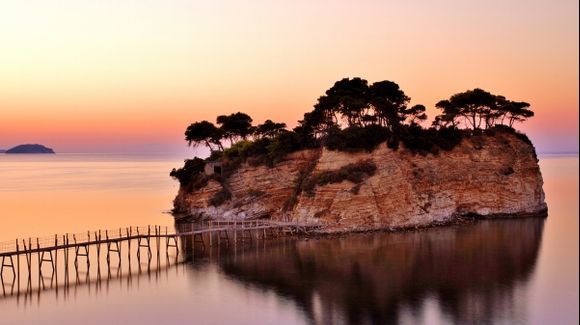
<point>416,113</point>
<point>475,107</point>
<point>235,126</point>
<point>269,129</point>
<point>389,103</point>
<point>361,105</point>
<point>514,112</point>
<point>204,132</point>
<point>316,123</point>
<point>347,99</point>
<point>449,115</point>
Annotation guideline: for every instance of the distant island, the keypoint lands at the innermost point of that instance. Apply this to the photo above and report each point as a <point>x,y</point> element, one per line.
<point>29,148</point>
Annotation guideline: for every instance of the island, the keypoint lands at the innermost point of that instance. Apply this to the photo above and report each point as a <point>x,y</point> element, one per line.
<point>362,161</point>
<point>29,149</point>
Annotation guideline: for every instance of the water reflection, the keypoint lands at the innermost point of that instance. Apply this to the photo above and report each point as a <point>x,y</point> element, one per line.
<point>467,274</point>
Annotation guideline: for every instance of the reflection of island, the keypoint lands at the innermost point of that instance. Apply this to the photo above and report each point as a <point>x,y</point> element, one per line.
<point>471,273</point>
<point>30,148</point>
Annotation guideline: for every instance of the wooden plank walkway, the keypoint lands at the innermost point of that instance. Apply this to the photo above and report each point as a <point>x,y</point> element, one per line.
<point>47,249</point>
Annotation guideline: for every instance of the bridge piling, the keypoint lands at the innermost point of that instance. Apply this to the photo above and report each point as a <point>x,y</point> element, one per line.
<point>222,233</point>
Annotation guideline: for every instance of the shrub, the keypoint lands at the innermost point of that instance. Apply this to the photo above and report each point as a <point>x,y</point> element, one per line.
<point>281,145</point>
<point>355,173</point>
<point>255,193</point>
<point>356,138</point>
<point>215,155</point>
<point>425,141</point>
<point>415,138</point>
<point>510,130</point>
<point>190,171</point>
<point>199,181</point>
<point>268,151</point>
<point>238,150</point>
<point>220,197</point>
<point>229,166</point>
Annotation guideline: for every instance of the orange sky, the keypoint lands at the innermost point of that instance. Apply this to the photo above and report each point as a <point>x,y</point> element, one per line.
<point>98,76</point>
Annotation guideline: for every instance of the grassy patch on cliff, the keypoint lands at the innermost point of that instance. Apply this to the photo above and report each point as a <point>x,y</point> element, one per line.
<point>266,151</point>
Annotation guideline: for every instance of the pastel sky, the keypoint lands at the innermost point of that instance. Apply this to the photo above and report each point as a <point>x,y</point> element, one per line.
<point>110,76</point>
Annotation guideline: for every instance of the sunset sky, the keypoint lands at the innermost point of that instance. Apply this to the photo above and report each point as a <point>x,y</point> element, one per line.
<point>112,76</point>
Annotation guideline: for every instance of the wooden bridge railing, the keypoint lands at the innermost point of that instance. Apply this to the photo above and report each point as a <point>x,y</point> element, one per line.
<point>154,240</point>
<point>38,244</point>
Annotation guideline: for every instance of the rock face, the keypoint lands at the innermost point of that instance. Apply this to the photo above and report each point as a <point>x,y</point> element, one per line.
<point>485,176</point>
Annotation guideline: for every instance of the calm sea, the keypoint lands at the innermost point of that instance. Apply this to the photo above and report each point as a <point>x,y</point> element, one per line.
<point>492,272</point>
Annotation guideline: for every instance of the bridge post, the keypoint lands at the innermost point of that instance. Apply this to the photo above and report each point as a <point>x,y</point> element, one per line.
<point>120,246</point>
<point>235,234</point>
<point>18,264</point>
<point>210,232</point>
<point>98,240</point>
<point>39,261</point>
<point>157,242</point>
<point>129,235</point>
<point>65,241</point>
<point>29,258</point>
<point>55,268</point>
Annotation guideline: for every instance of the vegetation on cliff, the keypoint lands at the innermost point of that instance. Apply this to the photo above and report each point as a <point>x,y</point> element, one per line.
<point>351,116</point>
<point>355,173</point>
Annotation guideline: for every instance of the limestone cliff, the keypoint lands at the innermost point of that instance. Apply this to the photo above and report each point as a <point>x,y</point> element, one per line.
<point>487,176</point>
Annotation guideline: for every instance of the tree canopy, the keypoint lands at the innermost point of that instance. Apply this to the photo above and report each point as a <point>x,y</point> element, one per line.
<point>269,129</point>
<point>353,103</point>
<point>477,109</point>
<point>204,132</point>
<point>355,114</point>
<point>389,103</point>
<point>235,126</point>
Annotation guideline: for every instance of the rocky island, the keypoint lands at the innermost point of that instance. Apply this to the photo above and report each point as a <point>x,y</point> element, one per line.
<point>29,148</point>
<point>361,161</point>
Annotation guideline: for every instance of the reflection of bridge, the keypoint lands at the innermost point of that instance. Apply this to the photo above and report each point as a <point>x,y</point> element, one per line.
<point>59,251</point>
<point>29,294</point>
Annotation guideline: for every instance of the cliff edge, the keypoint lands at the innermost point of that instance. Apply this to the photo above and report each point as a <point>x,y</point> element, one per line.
<point>485,176</point>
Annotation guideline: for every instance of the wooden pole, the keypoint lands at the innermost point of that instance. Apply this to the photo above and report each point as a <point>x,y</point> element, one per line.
<point>98,240</point>
<point>209,226</point>
<point>29,259</point>
<point>65,241</point>
<point>129,245</point>
<point>55,269</point>
<point>18,265</point>
<point>157,242</point>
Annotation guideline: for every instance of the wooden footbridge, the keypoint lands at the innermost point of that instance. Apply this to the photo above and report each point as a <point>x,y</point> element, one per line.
<point>28,258</point>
